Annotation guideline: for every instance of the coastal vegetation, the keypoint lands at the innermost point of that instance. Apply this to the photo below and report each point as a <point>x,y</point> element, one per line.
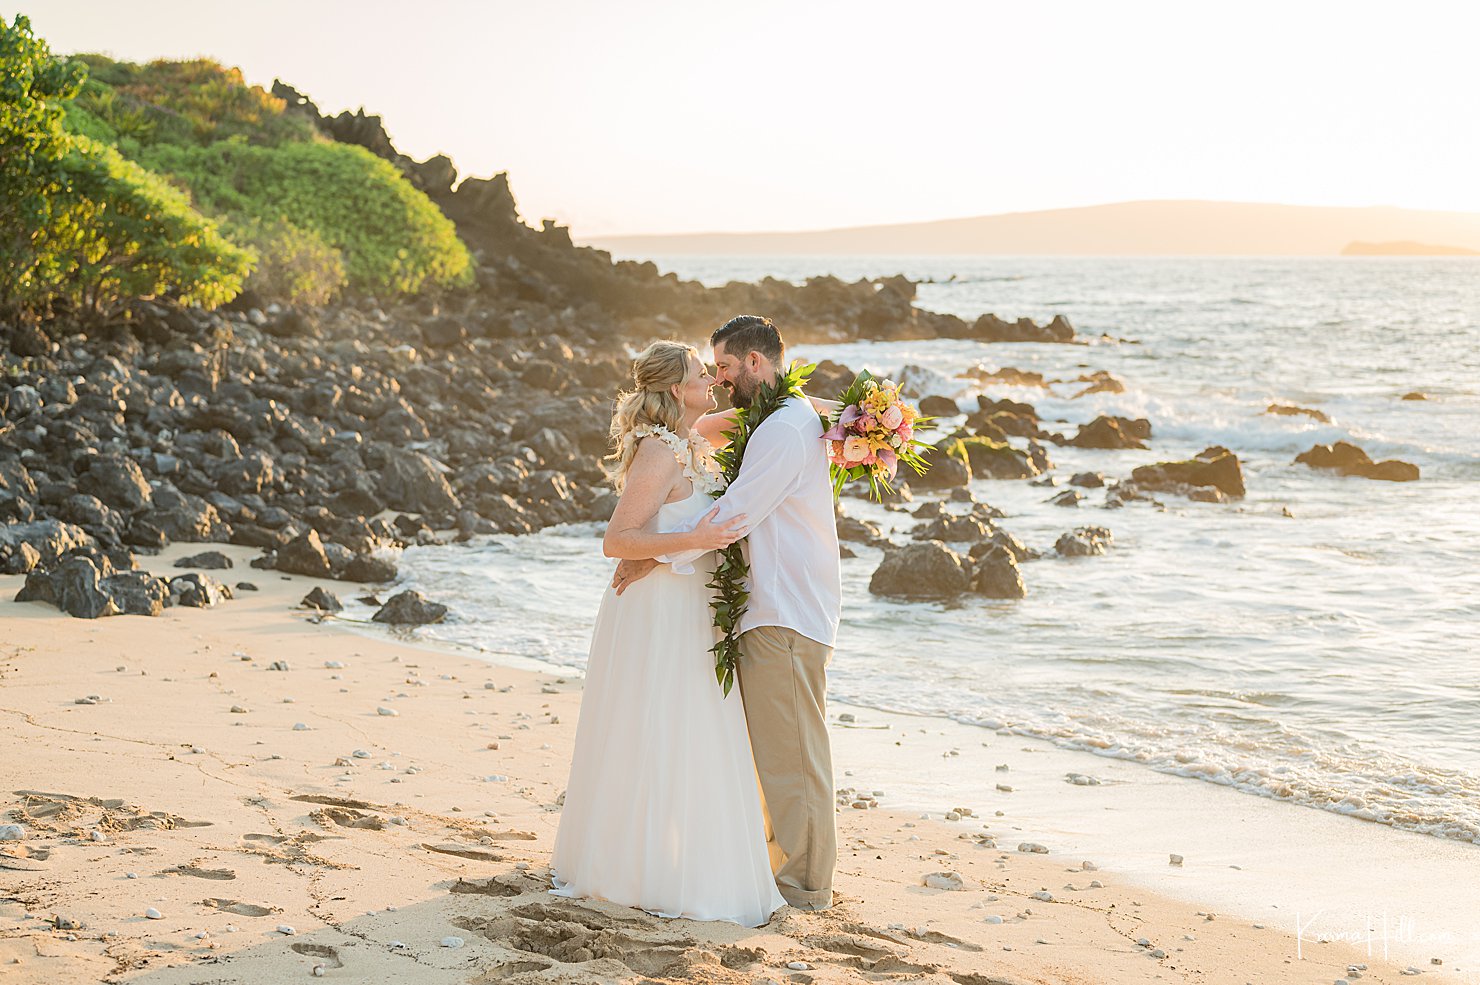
<point>121,181</point>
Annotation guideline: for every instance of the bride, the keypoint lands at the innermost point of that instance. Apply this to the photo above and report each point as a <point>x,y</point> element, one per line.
<point>662,810</point>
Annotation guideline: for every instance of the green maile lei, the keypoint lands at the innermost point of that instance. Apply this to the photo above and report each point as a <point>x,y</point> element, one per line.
<point>730,597</point>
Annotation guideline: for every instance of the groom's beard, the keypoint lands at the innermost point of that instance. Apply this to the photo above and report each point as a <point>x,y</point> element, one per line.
<point>742,392</point>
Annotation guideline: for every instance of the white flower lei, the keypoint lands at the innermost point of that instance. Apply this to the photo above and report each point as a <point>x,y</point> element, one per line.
<point>696,455</point>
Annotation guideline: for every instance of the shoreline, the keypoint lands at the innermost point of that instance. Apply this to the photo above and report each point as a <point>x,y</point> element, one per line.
<point>478,753</point>
<point>1289,865</point>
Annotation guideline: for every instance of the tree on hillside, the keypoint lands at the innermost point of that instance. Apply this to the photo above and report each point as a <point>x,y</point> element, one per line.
<point>78,221</point>
<point>33,149</point>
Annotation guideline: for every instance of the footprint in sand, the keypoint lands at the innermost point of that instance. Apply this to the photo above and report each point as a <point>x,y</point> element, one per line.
<point>487,887</point>
<point>464,851</point>
<point>344,817</point>
<point>199,873</point>
<point>239,908</point>
<point>327,953</point>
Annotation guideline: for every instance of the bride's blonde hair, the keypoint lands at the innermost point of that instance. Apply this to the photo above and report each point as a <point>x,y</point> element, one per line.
<point>655,371</point>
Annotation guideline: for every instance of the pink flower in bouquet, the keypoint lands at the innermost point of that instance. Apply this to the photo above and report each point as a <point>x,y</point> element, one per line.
<point>855,450</point>
<point>906,432</point>
<point>865,424</point>
<point>839,431</point>
<point>892,418</point>
<point>889,460</point>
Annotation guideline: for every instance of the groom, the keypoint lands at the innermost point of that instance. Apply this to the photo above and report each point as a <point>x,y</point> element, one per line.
<point>791,623</point>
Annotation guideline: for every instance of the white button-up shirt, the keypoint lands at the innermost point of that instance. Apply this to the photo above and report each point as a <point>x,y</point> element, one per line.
<point>785,491</point>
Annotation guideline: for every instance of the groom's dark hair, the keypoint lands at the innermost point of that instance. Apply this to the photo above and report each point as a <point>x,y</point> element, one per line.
<point>750,333</point>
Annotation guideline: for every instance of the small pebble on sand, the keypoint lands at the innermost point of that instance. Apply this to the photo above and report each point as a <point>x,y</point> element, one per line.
<point>153,914</point>
<point>452,941</point>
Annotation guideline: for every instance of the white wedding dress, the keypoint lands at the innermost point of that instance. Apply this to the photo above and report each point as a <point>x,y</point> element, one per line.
<point>662,810</point>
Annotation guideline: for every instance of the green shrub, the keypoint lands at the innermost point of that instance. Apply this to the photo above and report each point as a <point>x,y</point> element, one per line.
<point>118,232</point>
<point>189,102</point>
<point>293,265</point>
<point>392,237</point>
<point>34,85</point>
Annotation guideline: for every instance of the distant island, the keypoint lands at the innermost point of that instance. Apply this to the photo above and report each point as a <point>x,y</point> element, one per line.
<point>1405,248</point>
<point>1147,228</point>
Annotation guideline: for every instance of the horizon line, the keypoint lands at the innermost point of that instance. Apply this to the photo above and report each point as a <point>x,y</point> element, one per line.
<point>588,238</point>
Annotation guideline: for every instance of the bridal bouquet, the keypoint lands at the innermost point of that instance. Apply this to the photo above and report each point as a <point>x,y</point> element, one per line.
<point>871,434</point>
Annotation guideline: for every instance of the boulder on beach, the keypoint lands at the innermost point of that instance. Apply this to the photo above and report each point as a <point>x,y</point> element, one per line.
<point>138,593</point>
<point>197,591</point>
<point>852,529</point>
<point>1348,459</point>
<point>950,528</point>
<point>75,587</point>
<point>945,472</point>
<point>997,575</point>
<point>410,608</point>
<point>829,379</point>
<point>118,482</point>
<point>413,482</point>
<point>990,459</point>
<point>322,599</point>
<point>1215,466</point>
<point>1084,542</point>
<point>1290,410</point>
<point>999,418</point>
<point>937,406</point>
<point>928,570</point>
<point>920,383</point>
<point>212,560</point>
<point>1112,432</point>
<point>39,543</point>
<point>369,568</point>
<point>990,328</point>
<point>305,555</point>
<point>1099,381</point>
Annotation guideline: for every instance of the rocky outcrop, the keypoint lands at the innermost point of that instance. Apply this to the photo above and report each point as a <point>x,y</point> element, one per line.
<point>1099,381</point>
<point>410,608</point>
<point>1348,459</point>
<point>1112,432</point>
<point>921,571</point>
<point>932,571</point>
<point>1290,410</point>
<point>1215,467</point>
<point>40,543</point>
<point>479,410</point>
<point>945,472</point>
<point>1084,542</point>
<point>990,459</point>
<point>75,587</point>
<point>997,575</point>
<point>990,328</point>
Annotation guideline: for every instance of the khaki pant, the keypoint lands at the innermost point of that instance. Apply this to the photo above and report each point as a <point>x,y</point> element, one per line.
<point>783,680</point>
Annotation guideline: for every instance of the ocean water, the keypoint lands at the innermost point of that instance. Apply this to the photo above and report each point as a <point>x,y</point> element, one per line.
<point>1329,658</point>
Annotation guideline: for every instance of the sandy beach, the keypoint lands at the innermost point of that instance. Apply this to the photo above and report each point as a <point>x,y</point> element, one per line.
<point>247,795</point>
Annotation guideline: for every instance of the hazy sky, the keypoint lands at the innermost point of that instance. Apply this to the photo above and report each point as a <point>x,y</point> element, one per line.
<point>629,116</point>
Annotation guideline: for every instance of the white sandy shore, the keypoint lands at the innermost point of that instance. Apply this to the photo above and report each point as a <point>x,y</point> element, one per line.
<point>234,824</point>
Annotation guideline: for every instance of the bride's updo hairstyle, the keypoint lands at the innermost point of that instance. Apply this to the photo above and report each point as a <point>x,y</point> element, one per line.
<point>655,372</point>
